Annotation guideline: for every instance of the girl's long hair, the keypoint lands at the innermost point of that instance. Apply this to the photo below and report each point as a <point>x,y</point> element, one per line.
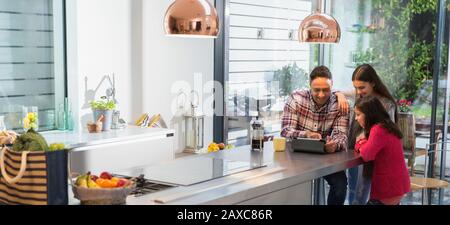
<point>375,113</point>
<point>367,73</point>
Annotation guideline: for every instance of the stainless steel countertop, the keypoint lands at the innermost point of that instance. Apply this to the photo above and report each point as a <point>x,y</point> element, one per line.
<point>284,169</point>
<point>78,139</point>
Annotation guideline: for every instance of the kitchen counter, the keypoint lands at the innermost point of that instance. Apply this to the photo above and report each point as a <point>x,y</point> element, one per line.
<point>76,140</point>
<point>115,149</point>
<point>283,171</point>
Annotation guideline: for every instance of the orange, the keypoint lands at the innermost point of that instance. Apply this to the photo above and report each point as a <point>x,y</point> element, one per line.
<point>113,184</point>
<point>104,183</point>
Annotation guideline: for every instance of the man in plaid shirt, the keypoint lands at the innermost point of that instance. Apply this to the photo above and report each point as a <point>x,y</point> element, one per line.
<point>315,114</point>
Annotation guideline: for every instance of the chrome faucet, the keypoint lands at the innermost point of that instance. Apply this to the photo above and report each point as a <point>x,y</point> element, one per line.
<point>110,92</point>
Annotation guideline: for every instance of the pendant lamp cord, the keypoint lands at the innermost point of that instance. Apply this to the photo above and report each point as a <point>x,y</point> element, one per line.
<point>319,6</point>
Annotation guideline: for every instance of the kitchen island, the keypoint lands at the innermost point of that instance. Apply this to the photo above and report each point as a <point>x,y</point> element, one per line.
<point>285,178</point>
<point>115,149</point>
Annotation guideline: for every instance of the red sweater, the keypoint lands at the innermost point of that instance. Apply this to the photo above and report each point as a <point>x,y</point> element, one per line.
<point>390,176</point>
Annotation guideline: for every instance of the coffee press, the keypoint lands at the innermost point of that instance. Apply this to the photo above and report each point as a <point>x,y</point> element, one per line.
<point>257,134</point>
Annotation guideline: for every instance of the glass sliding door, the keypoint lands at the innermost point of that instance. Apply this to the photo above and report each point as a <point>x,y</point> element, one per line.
<point>441,162</point>
<point>398,38</point>
<point>265,63</point>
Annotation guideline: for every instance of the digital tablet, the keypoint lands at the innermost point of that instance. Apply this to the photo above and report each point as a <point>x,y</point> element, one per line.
<point>308,145</point>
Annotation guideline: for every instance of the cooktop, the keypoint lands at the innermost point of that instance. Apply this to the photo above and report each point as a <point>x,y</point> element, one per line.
<point>184,172</point>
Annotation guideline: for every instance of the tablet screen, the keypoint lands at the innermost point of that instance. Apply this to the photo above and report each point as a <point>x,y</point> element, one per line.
<point>308,145</point>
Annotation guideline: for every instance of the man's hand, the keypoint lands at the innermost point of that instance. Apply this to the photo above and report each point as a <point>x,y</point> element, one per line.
<point>330,146</point>
<point>314,135</point>
<point>344,107</point>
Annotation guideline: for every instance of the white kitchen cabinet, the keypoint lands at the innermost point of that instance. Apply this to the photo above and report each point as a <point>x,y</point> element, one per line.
<point>122,155</point>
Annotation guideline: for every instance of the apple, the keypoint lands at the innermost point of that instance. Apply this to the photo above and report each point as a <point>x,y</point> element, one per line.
<point>121,183</point>
<point>94,178</point>
<point>221,146</point>
<point>106,175</point>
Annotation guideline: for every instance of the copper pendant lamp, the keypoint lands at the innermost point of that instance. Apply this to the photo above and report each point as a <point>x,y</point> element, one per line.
<point>192,18</point>
<point>319,28</point>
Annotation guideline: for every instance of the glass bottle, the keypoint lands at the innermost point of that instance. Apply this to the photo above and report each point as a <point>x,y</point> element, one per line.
<point>70,125</point>
<point>2,123</point>
<point>61,118</point>
<point>68,116</point>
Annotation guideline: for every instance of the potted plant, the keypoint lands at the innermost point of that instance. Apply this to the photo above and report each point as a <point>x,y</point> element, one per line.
<point>290,78</point>
<point>103,107</point>
<point>404,106</point>
<point>405,120</point>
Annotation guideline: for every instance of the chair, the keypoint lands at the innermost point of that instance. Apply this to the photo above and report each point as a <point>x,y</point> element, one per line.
<point>424,183</point>
<point>406,123</point>
<point>423,151</point>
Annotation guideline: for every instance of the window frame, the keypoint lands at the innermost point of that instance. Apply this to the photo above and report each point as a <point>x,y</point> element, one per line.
<point>221,67</point>
<point>58,69</point>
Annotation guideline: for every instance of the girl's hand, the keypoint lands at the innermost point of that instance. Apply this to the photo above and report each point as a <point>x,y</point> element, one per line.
<point>362,141</point>
<point>343,103</point>
<point>361,136</point>
<point>359,144</point>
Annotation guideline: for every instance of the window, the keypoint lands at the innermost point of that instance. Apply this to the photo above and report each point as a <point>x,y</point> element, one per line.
<point>398,40</point>
<point>265,63</point>
<point>32,65</point>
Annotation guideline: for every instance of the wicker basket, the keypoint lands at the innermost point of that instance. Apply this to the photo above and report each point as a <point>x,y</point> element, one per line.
<point>102,196</point>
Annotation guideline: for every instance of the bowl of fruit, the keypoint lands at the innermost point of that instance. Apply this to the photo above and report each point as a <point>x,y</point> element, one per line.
<point>102,190</point>
<point>214,147</point>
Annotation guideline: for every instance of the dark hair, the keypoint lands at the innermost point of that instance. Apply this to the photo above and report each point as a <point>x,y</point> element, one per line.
<point>367,73</point>
<point>320,71</point>
<point>375,113</point>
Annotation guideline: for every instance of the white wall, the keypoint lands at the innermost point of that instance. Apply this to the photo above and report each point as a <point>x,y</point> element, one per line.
<point>167,60</point>
<point>99,43</point>
<point>126,37</point>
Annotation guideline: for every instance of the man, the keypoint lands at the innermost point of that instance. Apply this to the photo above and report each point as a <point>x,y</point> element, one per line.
<point>315,114</point>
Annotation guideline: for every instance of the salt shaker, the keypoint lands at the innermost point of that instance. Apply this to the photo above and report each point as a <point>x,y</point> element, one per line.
<point>115,119</point>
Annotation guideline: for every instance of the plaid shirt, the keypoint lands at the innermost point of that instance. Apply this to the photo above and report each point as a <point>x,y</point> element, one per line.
<point>302,114</point>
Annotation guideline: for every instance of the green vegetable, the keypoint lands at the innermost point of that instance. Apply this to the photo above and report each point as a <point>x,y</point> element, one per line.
<point>229,146</point>
<point>103,104</point>
<point>30,141</point>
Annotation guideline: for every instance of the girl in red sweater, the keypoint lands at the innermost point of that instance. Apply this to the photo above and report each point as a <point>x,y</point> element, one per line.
<point>390,179</point>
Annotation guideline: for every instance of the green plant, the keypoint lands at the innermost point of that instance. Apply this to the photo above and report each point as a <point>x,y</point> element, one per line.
<point>404,105</point>
<point>368,29</point>
<point>103,104</point>
<point>403,55</point>
<point>290,78</point>
<point>361,57</point>
<point>423,112</point>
